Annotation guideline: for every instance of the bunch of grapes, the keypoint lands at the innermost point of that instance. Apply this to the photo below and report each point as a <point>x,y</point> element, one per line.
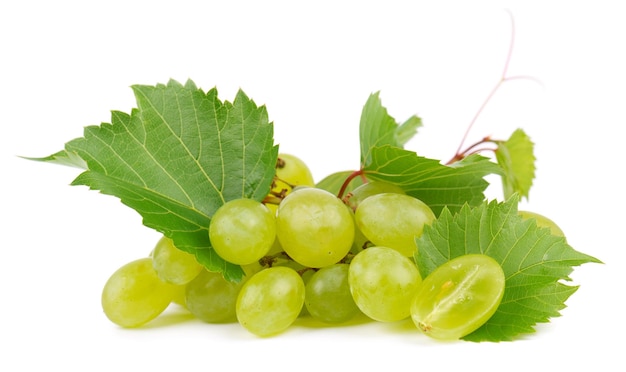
<point>306,252</point>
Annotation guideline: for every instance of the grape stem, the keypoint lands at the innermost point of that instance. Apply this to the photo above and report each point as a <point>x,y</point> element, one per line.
<point>461,154</point>
<point>349,179</point>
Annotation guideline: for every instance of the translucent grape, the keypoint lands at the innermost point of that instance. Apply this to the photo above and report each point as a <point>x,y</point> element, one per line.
<point>179,295</point>
<point>211,298</point>
<point>173,265</point>
<point>366,190</point>
<point>314,227</point>
<point>327,295</point>
<point>242,231</point>
<point>458,297</point>
<point>383,283</point>
<point>291,171</point>
<point>270,301</point>
<point>134,294</point>
<point>543,221</point>
<point>393,220</point>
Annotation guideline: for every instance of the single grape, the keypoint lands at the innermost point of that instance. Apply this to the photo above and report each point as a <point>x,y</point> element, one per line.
<point>327,295</point>
<point>393,220</point>
<point>383,283</point>
<point>270,301</point>
<point>242,231</point>
<point>291,171</point>
<point>356,196</point>
<point>211,298</point>
<point>458,297</point>
<point>314,227</point>
<point>543,221</point>
<point>172,264</point>
<point>134,294</point>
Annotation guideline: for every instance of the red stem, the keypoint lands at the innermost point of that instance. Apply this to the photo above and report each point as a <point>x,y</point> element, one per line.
<point>349,179</point>
<point>459,154</point>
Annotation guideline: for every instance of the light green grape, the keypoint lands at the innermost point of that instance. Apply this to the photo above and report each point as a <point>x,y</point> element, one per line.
<point>543,221</point>
<point>211,298</point>
<point>393,220</point>
<point>383,283</point>
<point>314,227</point>
<point>458,297</point>
<point>366,190</point>
<point>134,294</point>
<point>242,231</point>
<point>270,301</point>
<point>291,171</point>
<point>327,295</point>
<point>173,265</point>
<point>179,295</point>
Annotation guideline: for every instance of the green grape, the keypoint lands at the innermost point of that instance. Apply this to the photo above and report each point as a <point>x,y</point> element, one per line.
<point>291,171</point>
<point>179,295</point>
<point>360,242</point>
<point>543,221</point>
<point>458,297</point>
<point>134,294</point>
<point>291,174</point>
<point>383,283</point>
<point>172,264</point>
<point>314,227</point>
<point>242,231</point>
<point>327,295</point>
<point>211,298</point>
<point>393,220</point>
<point>270,301</point>
<point>356,196</point>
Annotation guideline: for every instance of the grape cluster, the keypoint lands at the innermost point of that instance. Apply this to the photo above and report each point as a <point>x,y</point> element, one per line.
<point>305,252</point>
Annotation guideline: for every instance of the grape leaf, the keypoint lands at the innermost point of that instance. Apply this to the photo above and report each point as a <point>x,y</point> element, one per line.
<point>534,261</point>
<point>180,155</point>
<point>427,179</point>
<point>63,157</point>
<point>517,159</point>
<point>377,128</point>
<point>333,182</point>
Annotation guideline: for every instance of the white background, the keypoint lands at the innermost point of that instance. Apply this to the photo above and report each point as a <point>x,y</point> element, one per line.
<point>65,65</point>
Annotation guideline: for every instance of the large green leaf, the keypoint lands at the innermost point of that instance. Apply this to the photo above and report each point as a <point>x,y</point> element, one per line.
<point>534,262</point>
<point>177,158</point>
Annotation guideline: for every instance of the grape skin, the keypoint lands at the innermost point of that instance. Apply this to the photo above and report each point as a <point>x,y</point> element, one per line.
<point>543,221</point>
<point>328,297</point>
<point>314,227</point>
<point>134,294</point>
<point>369,189</point>
<point>292,171</point>
<point>383,283</point>
<point>270,301</point>
<point>393,220</point>
<point>242,231</point>
<point>211,298</point>
<point>173,265</point>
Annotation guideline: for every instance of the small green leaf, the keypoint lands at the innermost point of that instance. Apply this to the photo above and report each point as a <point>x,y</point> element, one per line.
<point>517,159</point>
<point>377,128</point>
<point>177,158</point>
<point>435,184</point>
<point>534,261</point>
